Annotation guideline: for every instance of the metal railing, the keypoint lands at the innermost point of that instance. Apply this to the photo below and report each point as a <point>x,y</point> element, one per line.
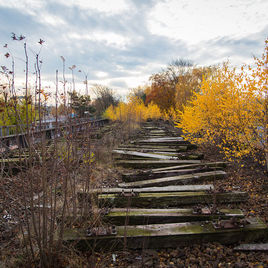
<point>11,130</point>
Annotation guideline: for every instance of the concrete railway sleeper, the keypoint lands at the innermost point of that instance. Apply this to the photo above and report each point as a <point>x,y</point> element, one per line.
<point>166,235</point>
<point>137,216</point>
<point>160,204</point>
<point>165,200</point>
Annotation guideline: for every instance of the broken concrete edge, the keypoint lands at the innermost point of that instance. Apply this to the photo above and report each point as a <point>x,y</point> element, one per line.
<point>153,163</point>
<point>147,155</point>
<point>209,164</point>
<point>252,247</point>
<point>139,176</point>
<point>182,188</point>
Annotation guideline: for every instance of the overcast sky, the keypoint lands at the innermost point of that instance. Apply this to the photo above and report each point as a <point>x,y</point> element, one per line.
<point>120,43</point>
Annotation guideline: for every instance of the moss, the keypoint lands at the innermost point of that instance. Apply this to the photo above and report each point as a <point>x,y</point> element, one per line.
<point>232,211</point>
<point>158,212</point>
<point>148,212</point>
<point>169,235</point>
<point>12,160</point>
<point>133,231</point>
<point>73,234</point>
<point>152,195</point>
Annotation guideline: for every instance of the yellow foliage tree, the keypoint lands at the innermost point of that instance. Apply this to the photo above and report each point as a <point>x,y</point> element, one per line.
<point>134,110</point>
<point>13,111</point>
<point>231,111</point>
<point>190,82</point>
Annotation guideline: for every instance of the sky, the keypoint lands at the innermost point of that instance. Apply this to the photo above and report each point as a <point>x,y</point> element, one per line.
<point>120,43</point>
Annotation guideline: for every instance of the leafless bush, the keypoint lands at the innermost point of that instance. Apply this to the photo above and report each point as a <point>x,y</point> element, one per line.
<point>51,165</point>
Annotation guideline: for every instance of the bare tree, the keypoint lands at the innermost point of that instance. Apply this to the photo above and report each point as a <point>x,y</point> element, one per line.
<point>105,97</point>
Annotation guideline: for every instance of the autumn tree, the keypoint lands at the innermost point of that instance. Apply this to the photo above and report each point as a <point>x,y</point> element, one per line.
<point>190,82</point>
<point>174,86</point>
<point>162,93</point>
<point>230,111</point>
<point>163,85</point>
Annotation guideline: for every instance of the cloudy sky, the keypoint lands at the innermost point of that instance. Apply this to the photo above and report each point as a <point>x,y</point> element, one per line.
<point>120,43</point>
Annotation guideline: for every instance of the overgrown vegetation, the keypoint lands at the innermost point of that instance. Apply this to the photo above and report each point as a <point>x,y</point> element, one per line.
<point>37,199</point>
<point>223,106</point>
<point>135,110</point>
<point>231,111</point>
<point>169,91</point>
<point>12,109</point>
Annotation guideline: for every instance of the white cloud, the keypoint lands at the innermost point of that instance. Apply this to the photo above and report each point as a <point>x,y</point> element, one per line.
<point>152,67</point>
<point>25,6</point>
<point>100,74</point>
<point>133,81</point>
<point>22,4</point>
<point>51,20</point>
<point>197,20</point>
<point>132,45</point>
<point>36,9</point>
<point>130,81</point>
<point>104,6</point>
<point>109,38</point>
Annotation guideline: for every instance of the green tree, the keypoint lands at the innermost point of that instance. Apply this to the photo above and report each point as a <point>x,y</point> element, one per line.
<point>81,103</point>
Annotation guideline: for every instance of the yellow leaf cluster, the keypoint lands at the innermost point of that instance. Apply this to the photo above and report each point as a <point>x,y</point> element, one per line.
<point>134,110</point>
<point>230,111</point>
